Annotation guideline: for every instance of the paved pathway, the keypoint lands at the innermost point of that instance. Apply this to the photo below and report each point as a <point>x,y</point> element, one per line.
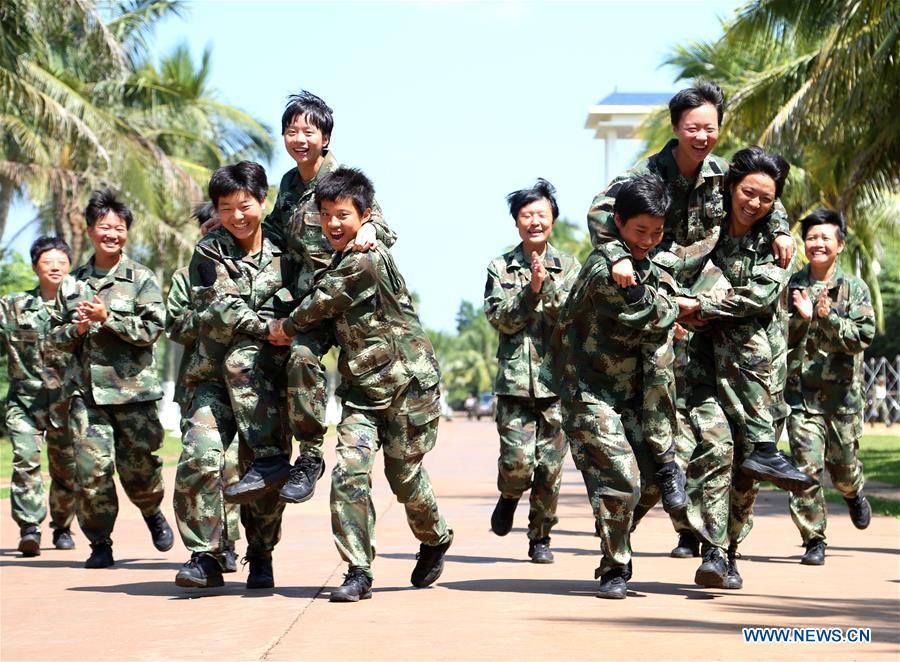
<point>489,604</point>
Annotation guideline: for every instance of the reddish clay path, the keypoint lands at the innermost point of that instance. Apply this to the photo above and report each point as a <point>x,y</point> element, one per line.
<point>489,604</point>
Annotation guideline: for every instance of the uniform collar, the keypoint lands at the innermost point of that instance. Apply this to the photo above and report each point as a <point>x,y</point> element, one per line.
<point>329,164</point>
<point>122,271</point>
<point>709,169</point>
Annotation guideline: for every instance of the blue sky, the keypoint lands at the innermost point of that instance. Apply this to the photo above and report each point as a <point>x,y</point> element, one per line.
<point>446,105</point>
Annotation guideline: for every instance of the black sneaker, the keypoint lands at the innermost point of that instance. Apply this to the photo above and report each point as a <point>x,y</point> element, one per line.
<point>539,551</point>
<point>430,563</point>
<point>815,552</point>
<point>688,546</point>
<point>733,579</point>
<point>357,586</point>
<point>860,512</point>
<point>712,571</point>
<point>502,517</point>
<point>160,531</point>
<point>261,575</point>
<point>671,481</point>
<point>62,539</point>
<point>263,475</point>
<point>777,469</point>
<point>101,556</point>
<point>201,571</point>
<point>229,560</point>
<point>613,584</point>
<point>301,484</point>
<point>30,541</point>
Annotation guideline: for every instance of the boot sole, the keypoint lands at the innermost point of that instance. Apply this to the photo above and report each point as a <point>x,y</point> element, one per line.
<point>303,499</point>
<point>709,579</point>
<point>689,554</point>
<point>542,561</point>
<point>64,547</point>
<point>165,548</point>
<point>30,548</point>
<point>804,561</point>
<point>761,472</point>
<point>256,586</point>
<point>349,598</point>
<point>95,566</point>
<point>615,595</point>
<point>733,585</point>
<point>251,495</point>
<point>187,582</point>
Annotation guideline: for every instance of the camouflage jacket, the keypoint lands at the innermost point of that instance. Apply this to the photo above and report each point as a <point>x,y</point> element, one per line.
<point>36,368</point>
<point>117,359</point>
<point>182,325</point>
<point>595,350</point>
<point>524,319</point>
<point>694,220</point>
<point>233,294</point>
<point>756,283</point>
<point>294,227</point>
<point>383,345</point>
<point>825,353</point>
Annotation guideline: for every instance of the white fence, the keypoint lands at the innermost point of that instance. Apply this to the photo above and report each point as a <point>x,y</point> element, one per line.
<point>874,368</point>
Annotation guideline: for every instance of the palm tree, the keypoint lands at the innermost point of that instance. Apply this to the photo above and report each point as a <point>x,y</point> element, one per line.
<point>815,82</point>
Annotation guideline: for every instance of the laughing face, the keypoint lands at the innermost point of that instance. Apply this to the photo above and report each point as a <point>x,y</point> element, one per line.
<point>751,200</point>
<point>51,267</point>
<point>641,233</point>
<point>305,144</point>
<point>109,234</point>
<point>823,244</point>
<point>341,221</point>
<point>697,132</point>
<point>240,213</point>
<point>534,223</point>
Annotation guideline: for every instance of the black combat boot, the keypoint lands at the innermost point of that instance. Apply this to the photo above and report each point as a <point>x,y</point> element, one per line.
<point>712,571</point>
<point>357,586</point>
<point>815,552</point>
<point>160,531</point>
<point>101,556</point>
<point>614,584</point>
<point>62,539</point>
<point>860,512</point>
<point>229,559</point>
<point>671,481</point>
<point>430,563</point>
<point>502,517</point>
<point>30,541</point>
<point>261,575</point>
<point>301,484</point>
<point>768,463</point>
<point>264,474</point>
<point>539,550</point>
<point>688,546</point>
<point>201,571</point>
<point>733,578</point>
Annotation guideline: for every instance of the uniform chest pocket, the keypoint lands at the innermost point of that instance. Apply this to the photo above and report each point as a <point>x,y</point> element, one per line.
<point>120,304</point>
<point>370,359</point>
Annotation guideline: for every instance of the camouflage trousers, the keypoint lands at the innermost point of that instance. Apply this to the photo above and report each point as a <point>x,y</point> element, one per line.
<point>532,451</point>
<point>660,419</point>
<point>406,430</point>
<point>246,366</point>
<point>685,442</point>
<point>120,438</point>
<point>29,428</point>
<point>818,443</point>
<point>720,495</point>
<point>607,446</point>
<point>211,459</point>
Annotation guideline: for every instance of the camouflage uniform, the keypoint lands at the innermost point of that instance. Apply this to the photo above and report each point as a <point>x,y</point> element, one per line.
<point>113,412</point>
<point>824,390</point>
<point>35,412</point>
<point>594,363</point>
<point>691,232</point>
<point>532,446</point>
<point>294,227</point>
<point>389,388</point>
<point>729,382</point>
<point>234,295</point>
<point>183,326</point>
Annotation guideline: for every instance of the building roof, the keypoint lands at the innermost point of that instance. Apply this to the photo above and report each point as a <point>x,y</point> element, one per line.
<point>635,99</point>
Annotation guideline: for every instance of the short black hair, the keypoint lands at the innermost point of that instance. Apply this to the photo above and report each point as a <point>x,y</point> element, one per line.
<point>313,108</point>
<point>541,189</point>
<point>755,159</point>
<point>346,183</point>
<point>203,212</point>
<point>702,92</point>
<point>103,201</point>
<point>242,176</point>
<point>824,216</point>
<point>46,243</point>
<point>645,194</point>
